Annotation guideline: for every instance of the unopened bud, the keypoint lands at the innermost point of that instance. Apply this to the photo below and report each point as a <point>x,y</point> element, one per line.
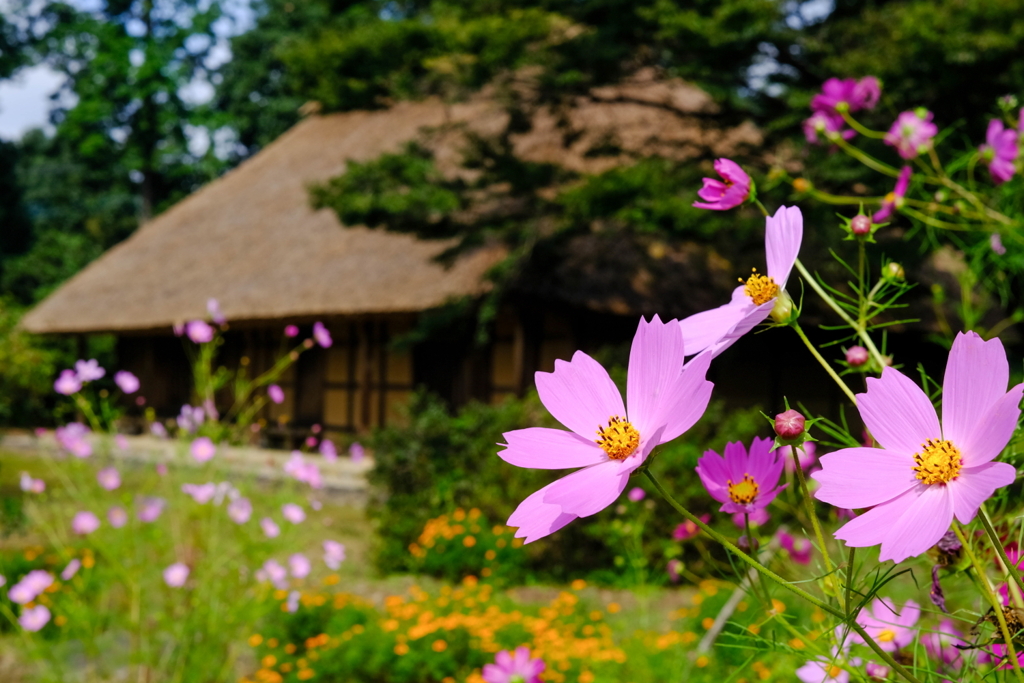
<point>308,343</point>
<point>860,225</point>
<point>856,356</point>
<point>893,272</point>
<point>744,544</point>
<point>789,425</point>
<point>782,311</point>
<point>802,185</point>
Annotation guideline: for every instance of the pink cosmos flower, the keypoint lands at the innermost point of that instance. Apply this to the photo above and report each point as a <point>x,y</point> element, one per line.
<point>70,570</point>
<point>514,667</point>
<point>117,517</point>
<point>109,478</point>
<point>688,530</point>
<point>912,133</point>
<point>849,93</point>
<point>823,124</point>
<point>334,554</point>
<point>270,528</point>
<point>89,370</point>
<point>722,196</point>
<point>151,508</point>
<point>203,449</point>
<point>276,394</point>
<point>894,199</point>
<point>322,335</point>
<point>636,494</point>
<point>995,242</point>
<point>799,549</point>
<point>158,430</point>
<point>272,571</point>
<point>201,493</point>
<point>876,671</point>
<point>887,627</point>
<point>34,618</point>
<point>199,331</point>
<point>1000,151</point>
<point>752,302</point>
<point>213,308</point>
<point>293,513</point>
<point>126,381</point>
<point>240,510</point>
<point>299,565</point>
<point>857,356</point>
<point>176,575</point>
<point>30,485</point>
<point>30,586</point>
<point>742,483</point>
<point>291,331</point>
<point>664,397</point>
<point>328,450</point>
<point>925,474</point>
<point>807,455</point>
<point>68,383</point>
<point>822,670</point>
<point>941,644</point>
<point>84,523</point>
<point>356,451</point>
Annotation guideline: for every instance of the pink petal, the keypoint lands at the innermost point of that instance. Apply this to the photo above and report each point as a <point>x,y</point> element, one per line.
<point>897,413</point>
<point>492,673</point>
<point>655,366</point>
<point>909,615</point>
<point>782,236</point>
<point>707,328</point>
<point>590,490</point>
<point>736,461</point>
<point>993,431</point>
<point>862,477</point>
<point>580,394</point>
<point>684,401</point>
<point>752,317</point>
<point>713,474</point>
<point>976,377</point>
<point>871,527</point>
<point>549,449</point>
<point>975,485</point>
<point>920,527</point>
<point>536,519</point>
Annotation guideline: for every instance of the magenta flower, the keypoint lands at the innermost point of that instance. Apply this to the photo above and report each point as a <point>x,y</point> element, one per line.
<point>752,302</point>
<point>356,451</point>
<point>925,474</point>
<point>322,335</point>
<point>84,523</point>
<point>742,483</point>
<point>270,528</point>
<point>199,331</point>
<point>70,570</point>
<point>291,331</point>
<point>299,565</point>
<point>1000,151</point>
<point>276,394</point>
<point>328,450</point>
<point>68,383</point>
<point>117,517</point>
<point>806,454</point>
<point>857,356</point>
<point>887,627</point>
<point>34,618</point>
<point>790,424</point>
<point>822,670</point>
<point>636,494</point>
<point>203,449</point>
<point>293,513</point>
<point>688,529</point>
<point>665,399</point>
<point>126,381</point>
<point>109,478</point>
<point>894,199</point>
<point>514,667</point>
<point>823,124</point>
<point>876,671</point>
<point>151,508</point>
<point>847,94</point>
<point>30,586</point>
<point>334,554</point>
<point>942,644</point>
<point>89,370</point>
<point>799,549</point>
<point>272,571</point>
<point>912,133</point>
<point>176,575</point>
<point>213,308</point>
<point>240,510</point>
<point>722,196</point>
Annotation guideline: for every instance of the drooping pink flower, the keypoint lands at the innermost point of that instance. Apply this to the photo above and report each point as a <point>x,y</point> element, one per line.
<point>636,494</point>
<point>270,528</point>
<point>924,474</point>
<point>857,356</point>
<point>203,449</point>
<point>334,554</point>
<point>176,575</point>
<point>69,571</point>
<point>213,308</point>
<point>240,510</point>
<point>126,381</point>
<point>199,331</point>
<point>30,586</point>
<point>742,482</point>
<point>515,667</point>
<point>276,394</point>
<point>1000,150</point>
<point>291,331</point>
<point>356,451</point>
<point>68,383</point>
<point>84,523</point>
<point>322,335</point>
<point>890,628</point>
<point>151,508</point>
<point>688,529</point>
<point>722,196</point>
<point>894,199</point>
<point>806,454</point>
<point>752,302</point>
<point>34,618</point>
<point>799,549</point>
<point>109,478</point>
<point>941,644</point>
<point>293,513</point>
<point>912,133</point>
<point>328,450</point>
<point>89,370</point>
<point>299,565</point>
<point>665,398</point>
<point>117,517</point>
<point>825,670</point>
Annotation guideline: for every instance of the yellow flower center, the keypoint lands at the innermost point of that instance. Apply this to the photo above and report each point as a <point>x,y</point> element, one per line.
<point>939,462</point>
<point>619,439</point>
<point>890,198</point>
<point>760,288</point>
<point>834,671</point>
<point>744,491</point>
<point>886,635</point>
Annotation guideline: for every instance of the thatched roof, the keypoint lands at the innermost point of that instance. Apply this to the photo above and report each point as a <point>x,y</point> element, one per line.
<point>251,240</point>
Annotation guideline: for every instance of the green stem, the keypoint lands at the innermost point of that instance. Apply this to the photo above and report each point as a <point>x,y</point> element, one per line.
<point>752,542</point>
<point>824,363</point>
<point>1008,566</point>
<point>864,157</point>
<point>841,200</point>
<point>860,128</point>
<point>761,206</point>
<point>809,504</point>
<point>849,579</point>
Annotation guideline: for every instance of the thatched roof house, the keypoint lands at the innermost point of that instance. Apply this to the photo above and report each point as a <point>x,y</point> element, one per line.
<point>251,240</point>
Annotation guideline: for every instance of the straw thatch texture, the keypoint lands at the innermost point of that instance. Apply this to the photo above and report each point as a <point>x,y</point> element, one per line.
<point>251,240</point>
